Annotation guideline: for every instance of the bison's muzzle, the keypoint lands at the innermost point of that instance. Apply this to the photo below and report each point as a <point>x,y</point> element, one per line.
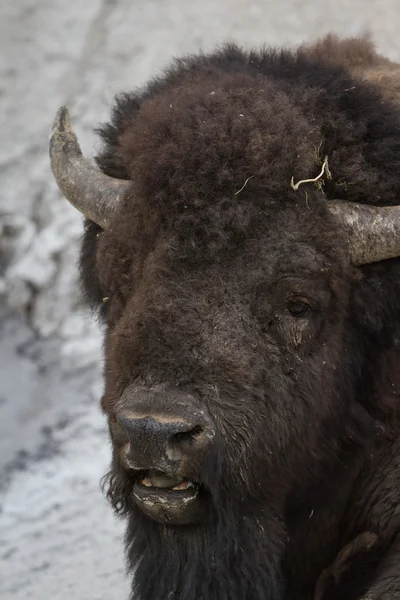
<point>168,436</point>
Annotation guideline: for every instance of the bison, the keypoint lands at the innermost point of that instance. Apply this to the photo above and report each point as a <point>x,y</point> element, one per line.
<point>241,247</point>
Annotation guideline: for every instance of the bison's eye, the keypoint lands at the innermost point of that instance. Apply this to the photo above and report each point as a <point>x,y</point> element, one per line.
<point>298,308</point>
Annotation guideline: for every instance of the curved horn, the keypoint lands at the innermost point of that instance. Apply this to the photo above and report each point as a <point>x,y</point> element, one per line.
<point>93,193</point>
<point>373,231</point>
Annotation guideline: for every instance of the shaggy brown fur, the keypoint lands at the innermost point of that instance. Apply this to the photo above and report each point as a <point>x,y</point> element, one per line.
<point>359,58</point>
<point>225,282</point>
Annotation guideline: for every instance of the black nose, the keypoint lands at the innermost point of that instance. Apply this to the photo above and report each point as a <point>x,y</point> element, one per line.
<point>173,429</point>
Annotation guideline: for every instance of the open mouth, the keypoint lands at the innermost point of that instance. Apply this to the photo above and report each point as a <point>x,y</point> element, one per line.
<point>162,481</point>
<point>169,499</point>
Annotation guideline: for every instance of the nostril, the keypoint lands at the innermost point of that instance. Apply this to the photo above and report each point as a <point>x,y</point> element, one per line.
<point>187,436</point>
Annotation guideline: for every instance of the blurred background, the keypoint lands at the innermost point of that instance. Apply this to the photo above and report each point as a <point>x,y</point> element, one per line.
<point>58,537</point>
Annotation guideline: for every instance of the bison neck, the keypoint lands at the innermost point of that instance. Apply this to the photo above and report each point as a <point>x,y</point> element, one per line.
<point>316,511</point>
<point>236,558</point>
<point>316,521</point>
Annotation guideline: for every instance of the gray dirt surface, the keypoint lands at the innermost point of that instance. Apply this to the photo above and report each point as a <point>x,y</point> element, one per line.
<point>58,537</point>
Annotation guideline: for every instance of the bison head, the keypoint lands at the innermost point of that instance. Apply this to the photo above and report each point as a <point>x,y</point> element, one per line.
<point>233,356</point>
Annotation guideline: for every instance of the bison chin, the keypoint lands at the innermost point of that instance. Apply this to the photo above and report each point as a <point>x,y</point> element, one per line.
<point>179,504</point>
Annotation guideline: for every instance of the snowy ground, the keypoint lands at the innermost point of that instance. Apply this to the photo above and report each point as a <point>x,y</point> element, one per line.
<point>58,538</point>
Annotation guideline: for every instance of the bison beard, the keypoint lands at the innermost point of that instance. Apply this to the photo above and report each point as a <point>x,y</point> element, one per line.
<point>251,340</point>
<point>194,564</point>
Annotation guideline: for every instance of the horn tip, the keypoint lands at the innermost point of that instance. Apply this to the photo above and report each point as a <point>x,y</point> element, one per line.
<point>61,123</point>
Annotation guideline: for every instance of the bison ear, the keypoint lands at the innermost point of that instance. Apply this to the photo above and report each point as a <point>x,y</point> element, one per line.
<point>373,231</point>
<point>93,193</point>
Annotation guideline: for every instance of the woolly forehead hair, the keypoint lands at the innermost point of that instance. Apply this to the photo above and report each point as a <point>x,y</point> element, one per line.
<point>203,139</point>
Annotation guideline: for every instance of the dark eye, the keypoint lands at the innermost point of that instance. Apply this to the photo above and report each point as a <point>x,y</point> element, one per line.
<point>297,308</point>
